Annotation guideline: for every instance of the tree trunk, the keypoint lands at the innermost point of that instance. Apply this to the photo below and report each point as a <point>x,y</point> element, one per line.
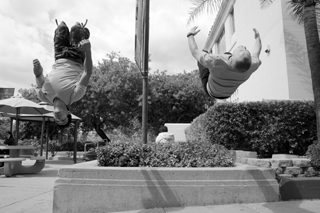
<point>313,47</point>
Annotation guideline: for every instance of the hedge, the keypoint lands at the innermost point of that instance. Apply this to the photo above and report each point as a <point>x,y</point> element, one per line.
<point>314,154</point>
<point>267,127</point>
<point>184,154</point>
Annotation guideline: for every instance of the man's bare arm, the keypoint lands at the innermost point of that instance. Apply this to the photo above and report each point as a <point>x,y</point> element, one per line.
<point>86,47</point>
<point>257,46</point>
<point>38,72</point>
<point>40,79</point>
<point>196,53</point>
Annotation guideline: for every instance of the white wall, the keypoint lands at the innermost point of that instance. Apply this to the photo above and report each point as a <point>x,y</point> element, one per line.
<point>299,75</point>
<point>270,81</point>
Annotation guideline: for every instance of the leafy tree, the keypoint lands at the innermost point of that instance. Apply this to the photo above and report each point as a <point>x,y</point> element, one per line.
<point>4,127</point>
<point>304,12</point>
<point>176,98</point>
<point>30,94</point>
<point>112,98</point>
<point>201,6</point>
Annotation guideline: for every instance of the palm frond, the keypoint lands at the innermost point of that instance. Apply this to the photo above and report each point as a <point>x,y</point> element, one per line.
<point>200,6</point>
<point>295,9</point>
<point>266,3</point>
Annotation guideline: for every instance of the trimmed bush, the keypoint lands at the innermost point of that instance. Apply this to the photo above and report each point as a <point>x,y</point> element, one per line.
<point>287,127</point>
<point>314,154</point>
<point>188,154</point>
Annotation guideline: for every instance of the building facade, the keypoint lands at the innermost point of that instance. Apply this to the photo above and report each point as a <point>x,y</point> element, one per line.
<point>284,73</point>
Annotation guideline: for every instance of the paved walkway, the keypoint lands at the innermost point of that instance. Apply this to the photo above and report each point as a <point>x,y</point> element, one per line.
<point>34,194</point>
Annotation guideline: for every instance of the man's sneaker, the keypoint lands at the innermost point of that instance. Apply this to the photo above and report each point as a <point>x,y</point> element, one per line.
<point>76,34</point>
<point>86,30</point>
<point>86,33</point>
<point>61,40</point>
<point>61,34</point>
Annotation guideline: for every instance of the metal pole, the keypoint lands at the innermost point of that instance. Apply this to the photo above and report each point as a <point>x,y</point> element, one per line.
<point>42,132</point>
<point>11,123</point>
<point>47,140</point>
<point>145,78</point>
<point>145,110</point>
<point>75,142</point>
<point>17,125</point>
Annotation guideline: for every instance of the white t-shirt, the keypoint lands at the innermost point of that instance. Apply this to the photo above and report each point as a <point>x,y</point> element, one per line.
<point>62,82</point>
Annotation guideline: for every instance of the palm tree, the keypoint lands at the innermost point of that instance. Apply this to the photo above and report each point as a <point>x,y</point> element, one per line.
<point>304,12</point>
<point>199,6</point>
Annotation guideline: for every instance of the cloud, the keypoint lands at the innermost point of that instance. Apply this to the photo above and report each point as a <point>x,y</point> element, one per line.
<point>27,29</point>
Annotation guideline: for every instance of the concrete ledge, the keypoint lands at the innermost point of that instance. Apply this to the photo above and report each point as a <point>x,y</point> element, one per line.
<point>284,156</point>
<point>86,187</point>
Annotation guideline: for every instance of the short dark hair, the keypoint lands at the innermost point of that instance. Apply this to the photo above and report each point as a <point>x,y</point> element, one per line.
<point>10,133</point>
<point>163,129</point>
<point>67,124</point>
<point>243,65</point>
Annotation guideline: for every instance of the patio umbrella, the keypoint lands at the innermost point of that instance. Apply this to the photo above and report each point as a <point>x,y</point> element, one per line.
<point>21,105</point>
<point>17,106</point>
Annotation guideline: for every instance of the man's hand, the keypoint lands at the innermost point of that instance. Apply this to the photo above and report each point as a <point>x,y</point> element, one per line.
<point>85,45</point>
<point>256,33</point>
<point>257,46</point>
<point>37,68</point>
<point>194,31</point>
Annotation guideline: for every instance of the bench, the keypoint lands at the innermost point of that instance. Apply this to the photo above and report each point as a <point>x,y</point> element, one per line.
<point>9,166</point>
<point>6,160</point>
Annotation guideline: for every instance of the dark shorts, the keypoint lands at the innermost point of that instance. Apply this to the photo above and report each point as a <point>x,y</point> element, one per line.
<point>63,48</point>
<point>204,76</point>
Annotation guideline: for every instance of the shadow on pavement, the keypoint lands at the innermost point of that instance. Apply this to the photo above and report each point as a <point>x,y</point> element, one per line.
<point>290,207</point>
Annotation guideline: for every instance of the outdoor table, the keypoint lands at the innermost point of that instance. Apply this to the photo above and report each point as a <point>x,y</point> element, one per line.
<point>17,167</point>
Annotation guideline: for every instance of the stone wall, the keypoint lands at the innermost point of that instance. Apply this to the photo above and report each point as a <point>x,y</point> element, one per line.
<point>295,167</point>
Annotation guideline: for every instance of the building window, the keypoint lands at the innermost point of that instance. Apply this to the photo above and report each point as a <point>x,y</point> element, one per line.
<point>232,24</point>
<point>221,43</point>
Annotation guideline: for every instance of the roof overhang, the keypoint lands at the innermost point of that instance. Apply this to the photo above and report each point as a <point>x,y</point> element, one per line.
<point>217,27</point>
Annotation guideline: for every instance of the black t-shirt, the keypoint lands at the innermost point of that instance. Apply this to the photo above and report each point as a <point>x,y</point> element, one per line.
<point>9,142</point>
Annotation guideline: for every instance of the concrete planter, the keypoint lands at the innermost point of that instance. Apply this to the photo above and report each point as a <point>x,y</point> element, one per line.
<point>178,130</point>
<point>244,154</point>
<point>86,187</point>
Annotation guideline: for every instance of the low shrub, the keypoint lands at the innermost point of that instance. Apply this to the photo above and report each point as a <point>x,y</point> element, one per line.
<point>184,154</point>
<point>287,127</point>
<point>314,154</point>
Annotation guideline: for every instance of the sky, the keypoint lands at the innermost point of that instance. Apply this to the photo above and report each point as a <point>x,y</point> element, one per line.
<point>27,29</point>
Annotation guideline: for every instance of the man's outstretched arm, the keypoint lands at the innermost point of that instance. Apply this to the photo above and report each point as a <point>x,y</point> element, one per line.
<point>203,57</point>
<point>257,46</point>
<point>196,53</point>
<point>86,47</point>
<point>38,73</point>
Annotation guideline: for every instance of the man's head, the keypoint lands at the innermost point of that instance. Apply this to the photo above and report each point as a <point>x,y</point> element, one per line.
<point>62,116</point>
<point>163,129</point>
<point>241,59</point>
